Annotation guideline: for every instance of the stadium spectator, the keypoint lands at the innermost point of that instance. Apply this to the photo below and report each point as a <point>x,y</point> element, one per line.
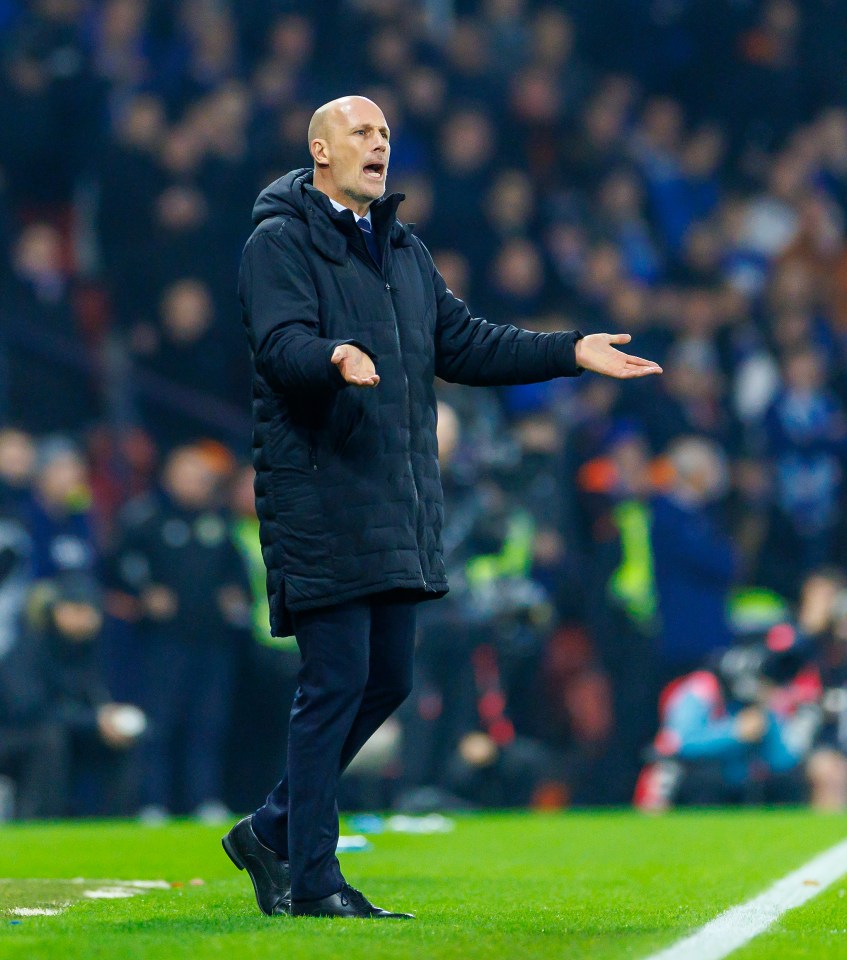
<point>471,733</point>
<point>63,737</point>
<point>822,618</point>
<point>726,734</point>
<point>17,457</point>
<point>17,465</point>
<point>623,606</point>
<point>695,563</point>
<point>189,347</point>
<point>807,437</point>
<point>50,383</point>
<point>59,512</point>
<point>176,556</point>
<point>463,170</point>
<point>128,180</point>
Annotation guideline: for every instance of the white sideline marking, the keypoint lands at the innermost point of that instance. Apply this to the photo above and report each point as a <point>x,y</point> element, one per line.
<point>116,890</point>
<point>136,884</point>
<point>109,893</point>
<point>36,911</point>
<point>739,925</point>
<point>145,884</point>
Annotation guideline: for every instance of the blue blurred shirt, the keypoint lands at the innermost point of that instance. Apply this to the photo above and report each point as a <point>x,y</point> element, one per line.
<point>695,566</point>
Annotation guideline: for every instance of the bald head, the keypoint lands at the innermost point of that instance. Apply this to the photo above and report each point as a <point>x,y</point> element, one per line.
<point>700,468</point>
<point>349,143</point>
<point>339,111</point>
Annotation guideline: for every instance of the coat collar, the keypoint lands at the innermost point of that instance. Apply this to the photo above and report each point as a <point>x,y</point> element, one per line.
<point>330,228</point>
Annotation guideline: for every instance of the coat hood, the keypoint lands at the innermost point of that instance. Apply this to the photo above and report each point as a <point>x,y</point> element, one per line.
<point>283,197</point>
<point>294,196</point>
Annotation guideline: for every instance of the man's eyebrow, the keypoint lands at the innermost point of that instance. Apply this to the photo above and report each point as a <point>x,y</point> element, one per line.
<point>369,126</point>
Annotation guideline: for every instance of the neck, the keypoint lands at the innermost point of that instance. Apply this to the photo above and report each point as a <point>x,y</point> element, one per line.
<point>320,182</point>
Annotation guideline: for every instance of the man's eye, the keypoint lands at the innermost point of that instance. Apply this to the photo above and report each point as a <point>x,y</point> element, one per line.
<point>360,131</point>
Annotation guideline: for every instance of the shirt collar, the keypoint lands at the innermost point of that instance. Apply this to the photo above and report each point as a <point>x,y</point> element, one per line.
<point>340,206</point>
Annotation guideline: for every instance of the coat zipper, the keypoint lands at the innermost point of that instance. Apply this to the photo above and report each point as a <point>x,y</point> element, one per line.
<point>379,270</point>
<point>409,411</point>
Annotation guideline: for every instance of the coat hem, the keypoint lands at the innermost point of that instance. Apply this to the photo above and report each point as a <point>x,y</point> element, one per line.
<point>413,586</point>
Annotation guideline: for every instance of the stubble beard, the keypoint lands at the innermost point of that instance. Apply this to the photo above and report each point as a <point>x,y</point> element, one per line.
<point>358,197</point>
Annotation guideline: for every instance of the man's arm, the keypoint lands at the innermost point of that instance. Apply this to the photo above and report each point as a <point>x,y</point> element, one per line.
<point>281,309</point>
<point>700,736</point>
<point>473,351</point>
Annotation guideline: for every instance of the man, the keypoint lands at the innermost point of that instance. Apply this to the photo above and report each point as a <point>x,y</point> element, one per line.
<point>17,459</point>
<point>61,734</point>
<point>694,561</point>
<point>59,516</point>
<point>737,731</point>
<point>349,322</point>
<point>176,556</point>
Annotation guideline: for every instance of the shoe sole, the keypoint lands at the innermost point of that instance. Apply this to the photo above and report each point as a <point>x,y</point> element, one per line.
<point>337,916</point>
<point>233,855</point>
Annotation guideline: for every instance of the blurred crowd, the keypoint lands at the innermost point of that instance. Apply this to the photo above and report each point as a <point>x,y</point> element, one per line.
<point>647,587</point>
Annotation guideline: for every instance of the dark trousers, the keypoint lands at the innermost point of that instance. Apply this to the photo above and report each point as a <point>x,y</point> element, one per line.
<point>38,758</point>
<point>61,772</point>
<point>188,701</point>
<point>357,660</point>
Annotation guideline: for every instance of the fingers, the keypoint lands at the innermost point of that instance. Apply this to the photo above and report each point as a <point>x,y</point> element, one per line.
<point>641,362</point>
<point>620,338</point>
<point>362,378</point>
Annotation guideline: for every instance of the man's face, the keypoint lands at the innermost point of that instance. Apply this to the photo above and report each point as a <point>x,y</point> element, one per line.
<point>355,149</point>
<point>62,479</point>
<point>188,480</point>
<point>77,622</point>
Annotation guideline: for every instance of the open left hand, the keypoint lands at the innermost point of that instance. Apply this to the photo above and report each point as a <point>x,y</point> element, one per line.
<point>595,352</point>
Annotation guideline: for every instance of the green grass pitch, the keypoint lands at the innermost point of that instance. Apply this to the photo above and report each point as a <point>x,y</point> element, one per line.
<point>600,885</point>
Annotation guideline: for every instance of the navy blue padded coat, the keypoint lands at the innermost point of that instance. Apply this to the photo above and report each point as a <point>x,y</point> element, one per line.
<point>348,490</point>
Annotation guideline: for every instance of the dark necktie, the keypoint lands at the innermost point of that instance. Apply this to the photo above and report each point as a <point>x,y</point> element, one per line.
<point>370,240</point>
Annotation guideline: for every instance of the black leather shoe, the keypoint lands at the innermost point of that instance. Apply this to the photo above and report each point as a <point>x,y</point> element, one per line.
<point>348,902</point>
<point>269,872</point>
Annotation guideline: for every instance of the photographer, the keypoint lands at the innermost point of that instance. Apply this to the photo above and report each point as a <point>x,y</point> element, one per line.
<point>823,619</point>
<point>62,738</point>
<point>470,728</point>
<point>738,732</point>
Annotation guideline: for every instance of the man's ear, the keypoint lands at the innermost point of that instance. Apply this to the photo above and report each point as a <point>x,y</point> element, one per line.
<point>320,153</point>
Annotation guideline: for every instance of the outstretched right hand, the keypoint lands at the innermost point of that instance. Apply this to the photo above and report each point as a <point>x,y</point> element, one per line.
<point>355,366</point>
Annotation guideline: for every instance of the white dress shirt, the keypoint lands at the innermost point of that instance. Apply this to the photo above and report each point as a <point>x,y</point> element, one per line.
<point>340,206</point>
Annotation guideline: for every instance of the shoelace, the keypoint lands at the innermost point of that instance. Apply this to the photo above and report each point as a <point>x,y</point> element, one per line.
<point>351,893</point>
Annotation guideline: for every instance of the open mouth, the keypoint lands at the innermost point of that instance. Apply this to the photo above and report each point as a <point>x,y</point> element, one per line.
<point>374,171</point>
